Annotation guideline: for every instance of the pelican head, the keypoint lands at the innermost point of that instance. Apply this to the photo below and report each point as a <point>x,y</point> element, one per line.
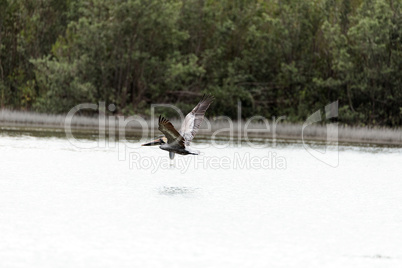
<point>158,141</point>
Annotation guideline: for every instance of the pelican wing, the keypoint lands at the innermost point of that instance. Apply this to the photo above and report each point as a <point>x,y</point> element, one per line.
<point>170,132</point>
<point>194,119</point>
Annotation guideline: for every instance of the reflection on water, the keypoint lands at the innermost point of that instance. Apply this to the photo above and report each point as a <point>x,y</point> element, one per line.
<point>176,191</point>
<point>378,256</point>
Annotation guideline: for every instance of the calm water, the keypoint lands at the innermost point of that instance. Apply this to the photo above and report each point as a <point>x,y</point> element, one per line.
<point>62,205</point>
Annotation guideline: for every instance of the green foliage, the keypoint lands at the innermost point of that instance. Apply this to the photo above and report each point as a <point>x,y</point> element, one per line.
<point>366,62</point>
<point>62,85</point>
<point>276,57</point>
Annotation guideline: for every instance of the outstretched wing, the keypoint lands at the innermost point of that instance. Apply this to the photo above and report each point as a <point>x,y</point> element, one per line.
<point>170,132</point>
<point>194,119</point>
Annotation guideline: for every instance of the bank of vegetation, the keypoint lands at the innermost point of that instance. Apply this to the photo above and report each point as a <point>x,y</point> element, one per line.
<point>134,127</point>
<point>278,57</point>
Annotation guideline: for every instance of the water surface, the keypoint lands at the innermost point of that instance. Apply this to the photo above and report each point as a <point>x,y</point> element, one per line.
<point>66,206</point>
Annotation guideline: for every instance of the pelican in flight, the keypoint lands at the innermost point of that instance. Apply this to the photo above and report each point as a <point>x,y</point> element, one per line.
<point>177,142</point>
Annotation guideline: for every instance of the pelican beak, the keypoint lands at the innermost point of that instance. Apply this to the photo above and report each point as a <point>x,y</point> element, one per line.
<point>158,141</point>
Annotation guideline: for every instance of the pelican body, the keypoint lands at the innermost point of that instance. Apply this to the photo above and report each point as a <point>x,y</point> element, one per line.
<point>177,150</point>
<point>177,142</point>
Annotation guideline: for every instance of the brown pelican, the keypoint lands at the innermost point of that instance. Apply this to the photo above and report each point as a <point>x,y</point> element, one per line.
<point>178,141</point>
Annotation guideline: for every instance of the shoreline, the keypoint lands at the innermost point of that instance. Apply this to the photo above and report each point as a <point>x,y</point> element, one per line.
<point>82,126</point>
<point>131,133</point>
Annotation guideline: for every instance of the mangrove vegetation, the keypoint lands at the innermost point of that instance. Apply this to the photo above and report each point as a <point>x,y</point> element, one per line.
<point>278,57</point>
